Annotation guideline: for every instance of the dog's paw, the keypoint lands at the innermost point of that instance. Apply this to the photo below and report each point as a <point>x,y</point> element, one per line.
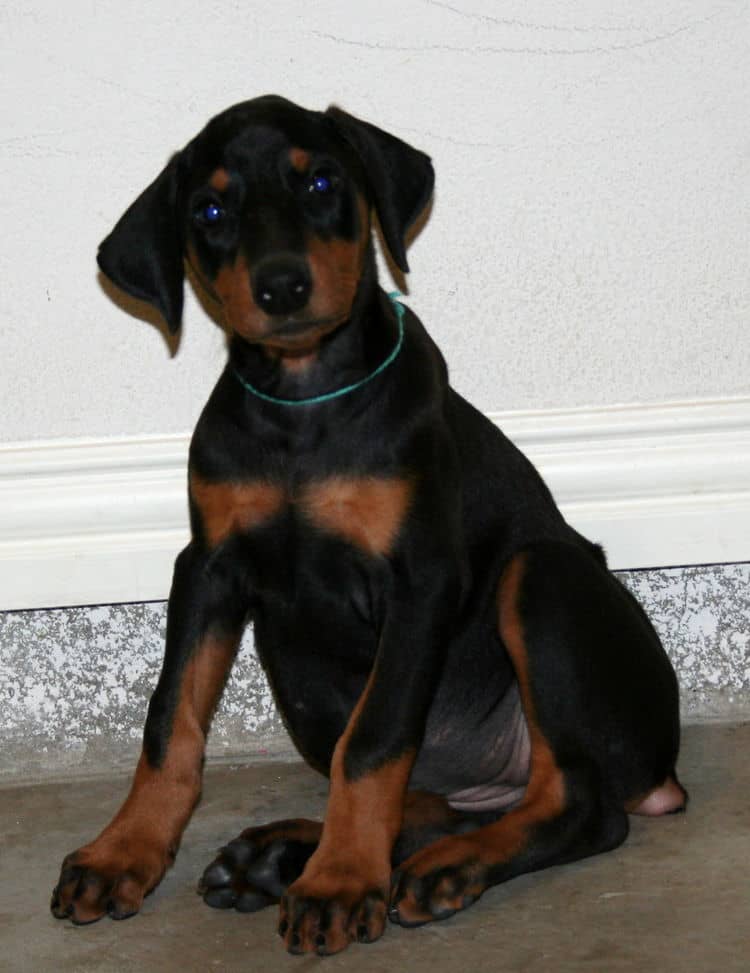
<point>243,878</point>
<point>99,880</point>
<point>327,924</point>
<point>435,883</point>
<point>255,869</point>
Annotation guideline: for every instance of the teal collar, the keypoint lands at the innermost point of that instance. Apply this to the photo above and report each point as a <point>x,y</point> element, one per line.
<point>399,309</point>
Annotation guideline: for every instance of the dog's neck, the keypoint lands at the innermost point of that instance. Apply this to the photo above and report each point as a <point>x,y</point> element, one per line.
<point>345,357</point>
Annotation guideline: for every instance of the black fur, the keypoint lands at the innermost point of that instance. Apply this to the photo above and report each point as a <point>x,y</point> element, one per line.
<point>419,617</point>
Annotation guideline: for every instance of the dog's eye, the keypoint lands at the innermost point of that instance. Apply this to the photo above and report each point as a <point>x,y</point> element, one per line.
<point>321,183</point>
<point>210,214</point>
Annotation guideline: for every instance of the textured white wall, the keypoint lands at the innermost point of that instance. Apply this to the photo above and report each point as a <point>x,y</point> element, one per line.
<point>589,240</point>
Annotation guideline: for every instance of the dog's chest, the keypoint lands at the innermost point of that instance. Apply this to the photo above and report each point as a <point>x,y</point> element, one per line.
<point>367,512</point>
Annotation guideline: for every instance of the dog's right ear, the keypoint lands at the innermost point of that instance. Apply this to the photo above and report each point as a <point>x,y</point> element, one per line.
<point>144,252</point>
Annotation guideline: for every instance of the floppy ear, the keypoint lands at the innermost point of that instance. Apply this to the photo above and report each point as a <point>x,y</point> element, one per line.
<point>143,253</point>
<point>401,178</point>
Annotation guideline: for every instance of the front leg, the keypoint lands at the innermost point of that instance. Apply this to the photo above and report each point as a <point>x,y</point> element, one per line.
<point>114,872</point>
<point>342,895</point>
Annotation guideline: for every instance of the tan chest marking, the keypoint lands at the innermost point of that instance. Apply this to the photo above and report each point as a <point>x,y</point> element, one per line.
<point>229,508</point>
<point>366,511</point>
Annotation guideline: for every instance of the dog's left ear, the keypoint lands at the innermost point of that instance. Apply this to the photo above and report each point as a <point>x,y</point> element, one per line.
<point>143,253</point>
<point>401,178</point>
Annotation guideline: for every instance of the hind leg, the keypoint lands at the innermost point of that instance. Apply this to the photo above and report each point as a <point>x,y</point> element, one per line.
<point>600,700</point>
<point>255,869</point>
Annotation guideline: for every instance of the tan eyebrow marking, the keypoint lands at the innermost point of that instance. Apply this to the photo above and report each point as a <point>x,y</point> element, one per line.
<point>219,180</point>
<point>300,159</point>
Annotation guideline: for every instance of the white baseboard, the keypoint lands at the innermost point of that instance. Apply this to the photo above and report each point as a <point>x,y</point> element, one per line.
<point>100,521</point>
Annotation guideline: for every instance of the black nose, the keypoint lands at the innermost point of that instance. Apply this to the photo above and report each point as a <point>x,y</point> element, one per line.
<point>282,285</point>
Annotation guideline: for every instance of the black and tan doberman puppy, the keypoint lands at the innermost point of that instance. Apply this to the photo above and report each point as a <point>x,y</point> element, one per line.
<point>485,697</point>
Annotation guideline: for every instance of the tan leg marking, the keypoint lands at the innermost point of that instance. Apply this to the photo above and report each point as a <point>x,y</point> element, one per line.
<point>364,815</point>
<point>348,875</point>
<point>545,792</point>
<point>422,808</point>
<point>461,862</point>
<point>130,856</point>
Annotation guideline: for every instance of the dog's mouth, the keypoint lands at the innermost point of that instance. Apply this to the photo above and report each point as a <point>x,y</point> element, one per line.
<point>300,335</point>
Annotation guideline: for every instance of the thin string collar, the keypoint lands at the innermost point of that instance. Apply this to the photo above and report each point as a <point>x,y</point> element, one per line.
<point>314,399</point>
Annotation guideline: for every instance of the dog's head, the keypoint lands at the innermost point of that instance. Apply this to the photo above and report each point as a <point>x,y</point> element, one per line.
<point>270,204</point>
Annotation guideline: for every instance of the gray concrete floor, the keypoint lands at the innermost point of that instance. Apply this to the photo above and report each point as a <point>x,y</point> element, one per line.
<point>676,896</point>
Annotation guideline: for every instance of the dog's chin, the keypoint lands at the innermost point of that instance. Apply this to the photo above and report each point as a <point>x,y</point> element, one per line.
<point>293,336</point>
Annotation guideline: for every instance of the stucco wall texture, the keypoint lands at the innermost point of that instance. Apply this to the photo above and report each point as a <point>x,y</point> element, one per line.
<point>74,683</point>
<point>588,240</point>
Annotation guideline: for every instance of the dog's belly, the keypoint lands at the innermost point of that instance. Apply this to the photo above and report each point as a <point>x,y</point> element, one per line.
<point>475,750</point>
<point>477,758</point>
<point>477,764</point>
